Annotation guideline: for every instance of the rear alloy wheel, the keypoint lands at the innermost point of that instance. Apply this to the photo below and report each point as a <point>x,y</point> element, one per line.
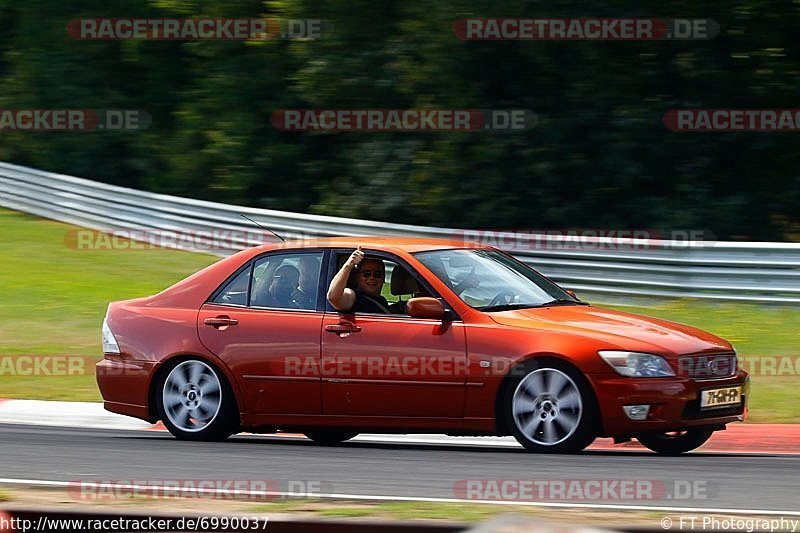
<point>676,442</point>
<point>551,410</point>
<point>330,437</point>
<point>196,403</point>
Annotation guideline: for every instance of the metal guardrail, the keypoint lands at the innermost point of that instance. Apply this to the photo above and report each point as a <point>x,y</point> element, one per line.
<point>738,271</point>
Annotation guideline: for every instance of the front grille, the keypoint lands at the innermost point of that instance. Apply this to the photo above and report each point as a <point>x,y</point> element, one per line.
<point>708,366</point>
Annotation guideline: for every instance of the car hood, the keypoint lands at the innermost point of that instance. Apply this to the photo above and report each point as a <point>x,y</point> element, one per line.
<point>616,329</point>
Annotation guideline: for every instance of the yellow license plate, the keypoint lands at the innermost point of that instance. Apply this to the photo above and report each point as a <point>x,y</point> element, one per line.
<point>720,397</point>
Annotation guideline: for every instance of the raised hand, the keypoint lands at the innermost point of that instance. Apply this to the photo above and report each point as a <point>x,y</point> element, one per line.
<point>355,258</point>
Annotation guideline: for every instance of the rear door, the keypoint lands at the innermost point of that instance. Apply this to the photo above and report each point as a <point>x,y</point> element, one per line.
<point>271,344</point>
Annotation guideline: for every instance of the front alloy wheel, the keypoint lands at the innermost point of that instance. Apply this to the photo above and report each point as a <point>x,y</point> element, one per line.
<point>551,410</point>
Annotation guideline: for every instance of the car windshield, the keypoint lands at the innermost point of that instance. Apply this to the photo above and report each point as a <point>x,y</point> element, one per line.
<point>493,281</point>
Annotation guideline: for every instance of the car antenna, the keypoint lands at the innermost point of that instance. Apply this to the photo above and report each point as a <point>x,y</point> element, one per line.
<point>262,227</point>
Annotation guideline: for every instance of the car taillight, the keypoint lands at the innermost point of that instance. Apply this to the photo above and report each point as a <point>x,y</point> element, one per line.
<point>109,341</point>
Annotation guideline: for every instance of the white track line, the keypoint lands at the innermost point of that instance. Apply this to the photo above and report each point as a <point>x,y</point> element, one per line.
<point>496,442</point>
<point>366,497</point>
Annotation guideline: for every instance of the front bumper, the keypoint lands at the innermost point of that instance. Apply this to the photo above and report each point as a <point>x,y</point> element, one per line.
<point>674,403</point>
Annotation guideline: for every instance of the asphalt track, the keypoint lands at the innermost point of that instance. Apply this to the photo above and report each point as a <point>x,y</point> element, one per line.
<point>735,482</point>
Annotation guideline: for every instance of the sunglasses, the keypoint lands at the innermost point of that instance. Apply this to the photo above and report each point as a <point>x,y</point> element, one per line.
<point>373,273</point>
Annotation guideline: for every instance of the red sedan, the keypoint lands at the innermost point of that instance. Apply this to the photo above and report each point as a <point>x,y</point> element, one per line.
<point>463,341</point>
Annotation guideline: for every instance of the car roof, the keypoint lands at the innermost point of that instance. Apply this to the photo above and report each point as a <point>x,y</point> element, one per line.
<point>394,243</point>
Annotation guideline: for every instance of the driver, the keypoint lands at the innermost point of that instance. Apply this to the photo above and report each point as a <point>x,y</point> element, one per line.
<point>366,297</point>
<point>471,281</point>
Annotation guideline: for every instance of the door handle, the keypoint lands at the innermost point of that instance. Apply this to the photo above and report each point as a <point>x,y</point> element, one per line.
<point>342,329</point>
<point>220,322</point>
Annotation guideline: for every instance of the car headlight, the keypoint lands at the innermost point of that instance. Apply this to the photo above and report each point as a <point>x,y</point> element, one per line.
<point>637,365</point>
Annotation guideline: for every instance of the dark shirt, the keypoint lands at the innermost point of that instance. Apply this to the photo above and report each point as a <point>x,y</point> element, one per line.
<point>370,304</point>
<point>281,303</point>
<point>303,300</point>
<point>297,300</point>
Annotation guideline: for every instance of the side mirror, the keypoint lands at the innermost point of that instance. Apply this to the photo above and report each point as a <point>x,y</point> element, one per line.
<point>571,293</point>
<point>425,307</point>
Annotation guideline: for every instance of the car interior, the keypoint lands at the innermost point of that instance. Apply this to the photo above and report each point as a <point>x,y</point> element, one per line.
<point>401,286</point>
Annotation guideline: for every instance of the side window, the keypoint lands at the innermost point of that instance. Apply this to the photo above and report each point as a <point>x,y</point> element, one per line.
<point>235,292</point>
<point>286,281</point>
<point>398,285</point>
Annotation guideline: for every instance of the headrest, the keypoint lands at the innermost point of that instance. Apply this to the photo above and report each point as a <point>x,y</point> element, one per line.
<point>287,271</point>
<point>402,282</point>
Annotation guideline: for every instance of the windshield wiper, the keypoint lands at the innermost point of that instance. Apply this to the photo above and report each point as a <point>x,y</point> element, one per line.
<point>508,307</point>
<point>562,301</point>
<point>505,307</point>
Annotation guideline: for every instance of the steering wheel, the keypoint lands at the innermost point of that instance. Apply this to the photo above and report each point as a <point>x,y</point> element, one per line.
<point>501,298</point>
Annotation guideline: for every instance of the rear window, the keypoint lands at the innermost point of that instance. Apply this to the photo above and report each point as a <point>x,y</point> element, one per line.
<point>235,292</point>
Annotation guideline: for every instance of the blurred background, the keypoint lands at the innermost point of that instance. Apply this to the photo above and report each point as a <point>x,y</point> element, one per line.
<point>600,155</point>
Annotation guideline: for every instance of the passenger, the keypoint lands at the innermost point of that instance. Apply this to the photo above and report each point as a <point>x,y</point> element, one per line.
<point>306,294</point>
<point>283,288</point>
<point>366,296</point>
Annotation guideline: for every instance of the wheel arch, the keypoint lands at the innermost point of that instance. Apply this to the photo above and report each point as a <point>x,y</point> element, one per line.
<point>169,362</point>
<point>515,371</point>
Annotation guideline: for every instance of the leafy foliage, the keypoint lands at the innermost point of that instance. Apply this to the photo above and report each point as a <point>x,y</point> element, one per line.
<point>599,157</point>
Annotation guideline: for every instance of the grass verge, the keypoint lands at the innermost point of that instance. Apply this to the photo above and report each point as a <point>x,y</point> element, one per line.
<point>302,509</point>
<point>54,298</point>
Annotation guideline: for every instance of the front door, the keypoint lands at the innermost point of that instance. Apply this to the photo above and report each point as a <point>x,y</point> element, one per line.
<point>392,364</point>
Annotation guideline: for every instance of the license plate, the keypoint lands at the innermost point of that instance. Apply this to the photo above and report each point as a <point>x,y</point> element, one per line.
<point>720,397</point>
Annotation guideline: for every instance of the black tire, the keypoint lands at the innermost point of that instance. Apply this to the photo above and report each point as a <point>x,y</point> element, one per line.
<point>225,420</point>
<point>583,418</point>
<point>675,443</point>
<point>330,437</point>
